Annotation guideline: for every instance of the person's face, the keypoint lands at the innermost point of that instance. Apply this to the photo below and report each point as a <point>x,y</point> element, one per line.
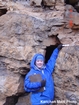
<point>39,63</point>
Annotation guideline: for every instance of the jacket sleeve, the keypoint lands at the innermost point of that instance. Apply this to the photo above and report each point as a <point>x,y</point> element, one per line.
<point>31,86</point>
<point>51,62</point>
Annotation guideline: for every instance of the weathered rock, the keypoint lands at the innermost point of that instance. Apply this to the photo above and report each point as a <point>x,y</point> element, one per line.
<point>2,102</point>
<point>24,100</point>
<point>66,74</point>
<point>35,2</point>
<point>49,2</point>
<point>72,15</point>
<point>21,36</point>
<point>24,32</point>
<point>45,2</point>
<point>11,100</point>
<point>75,18</point>
<point>11,84</point>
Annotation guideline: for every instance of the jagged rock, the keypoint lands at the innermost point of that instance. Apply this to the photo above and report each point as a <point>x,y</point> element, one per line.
<point>49,2</point>
<point>11,84</point>
<point>35,2</point>
<point>24,32</point>
<point>45,2</point>
<point>21,36</point>
<point>67,64</point>
<point>72,15</point>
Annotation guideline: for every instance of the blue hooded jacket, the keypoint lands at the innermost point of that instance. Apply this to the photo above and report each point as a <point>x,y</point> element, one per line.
<point>48,94</point>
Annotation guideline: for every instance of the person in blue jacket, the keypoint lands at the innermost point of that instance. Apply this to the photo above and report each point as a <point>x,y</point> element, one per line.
<point>46,96</point>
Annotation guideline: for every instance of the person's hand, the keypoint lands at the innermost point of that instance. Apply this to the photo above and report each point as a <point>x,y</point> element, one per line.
<point>43,83</point>
<point>60,46</point>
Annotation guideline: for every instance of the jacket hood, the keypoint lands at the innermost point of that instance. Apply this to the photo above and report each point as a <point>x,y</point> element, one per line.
<point>32,64</point>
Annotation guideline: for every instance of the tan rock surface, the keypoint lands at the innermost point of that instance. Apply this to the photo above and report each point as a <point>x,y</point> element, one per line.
<point>66,74</point>
<point>24,31</point>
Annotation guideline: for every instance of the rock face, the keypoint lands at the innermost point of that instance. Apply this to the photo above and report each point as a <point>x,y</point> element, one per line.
<point>25,31</point>
<point>10,84</point>
<point>66,75</point>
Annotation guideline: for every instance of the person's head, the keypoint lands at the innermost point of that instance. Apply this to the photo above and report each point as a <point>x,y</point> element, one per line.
<point>39,62</point>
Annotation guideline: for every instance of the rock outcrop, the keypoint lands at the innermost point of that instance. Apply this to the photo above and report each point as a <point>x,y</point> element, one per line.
<point>66,75</point>
<point>24,31</point>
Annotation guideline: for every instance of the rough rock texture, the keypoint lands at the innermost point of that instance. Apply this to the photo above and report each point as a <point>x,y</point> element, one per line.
<point>24,100</point>
<point>24,31</point>
<point>37,2</point>
<point>10,84</point>
<point>66,75</point>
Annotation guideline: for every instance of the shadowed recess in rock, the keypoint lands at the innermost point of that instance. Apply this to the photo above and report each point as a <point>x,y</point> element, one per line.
<point>71,2</point>
<point>74,3</point>
<point>3,11</point>
<point>49,51</point>
<point>11,100</point>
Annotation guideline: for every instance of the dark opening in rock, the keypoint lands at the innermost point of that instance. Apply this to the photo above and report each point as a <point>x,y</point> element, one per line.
<point>71,2</point>
<point>3,11</point>
<point>74,3</point>
<point>24,70</point>
<point>49,51</point>
<point>11,100</point>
